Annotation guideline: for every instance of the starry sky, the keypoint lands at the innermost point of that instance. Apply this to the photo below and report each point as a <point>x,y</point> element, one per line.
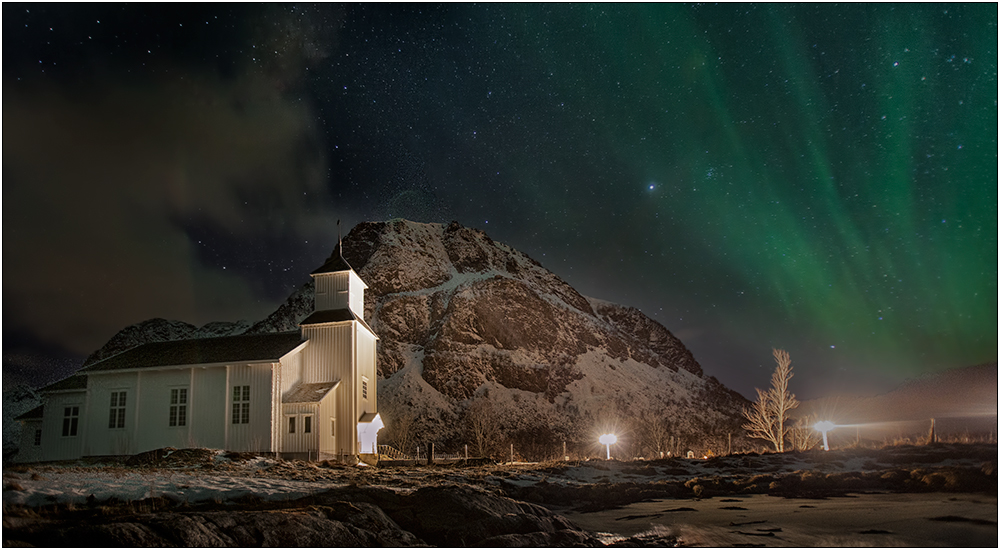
<point>817,178</point>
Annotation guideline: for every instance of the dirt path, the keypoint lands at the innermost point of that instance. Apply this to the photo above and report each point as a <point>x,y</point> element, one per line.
<point>913,519</point>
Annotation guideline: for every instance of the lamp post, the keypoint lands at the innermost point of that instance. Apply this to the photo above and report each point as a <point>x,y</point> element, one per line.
<point>825,426</point>
<point>608,440</point>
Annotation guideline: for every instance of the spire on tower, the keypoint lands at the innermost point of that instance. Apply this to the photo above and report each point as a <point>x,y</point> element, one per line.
<point>336,261</point>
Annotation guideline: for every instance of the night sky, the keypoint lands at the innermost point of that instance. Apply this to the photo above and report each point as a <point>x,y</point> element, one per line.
<point>817,178</point>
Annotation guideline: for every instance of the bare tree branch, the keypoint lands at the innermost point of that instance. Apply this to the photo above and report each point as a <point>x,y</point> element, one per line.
<point>767,417</point>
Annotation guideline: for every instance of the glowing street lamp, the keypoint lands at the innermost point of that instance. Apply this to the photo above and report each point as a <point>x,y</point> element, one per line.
<point>825,426</point>
<point>608,440</point>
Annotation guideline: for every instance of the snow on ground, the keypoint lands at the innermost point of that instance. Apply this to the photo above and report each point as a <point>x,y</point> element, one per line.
<point>203,475</point>
<point>77,486</point>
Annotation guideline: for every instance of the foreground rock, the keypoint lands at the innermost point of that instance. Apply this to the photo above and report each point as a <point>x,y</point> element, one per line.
<point>356,517</point>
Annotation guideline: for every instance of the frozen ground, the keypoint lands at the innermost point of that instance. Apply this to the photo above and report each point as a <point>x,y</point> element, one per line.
<point>879,520</point>
<point>909,495</point>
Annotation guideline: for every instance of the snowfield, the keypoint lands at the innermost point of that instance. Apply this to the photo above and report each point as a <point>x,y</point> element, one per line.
<point>868,497</point>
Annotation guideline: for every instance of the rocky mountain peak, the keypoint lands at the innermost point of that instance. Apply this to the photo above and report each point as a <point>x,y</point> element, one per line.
<point>461,316</point>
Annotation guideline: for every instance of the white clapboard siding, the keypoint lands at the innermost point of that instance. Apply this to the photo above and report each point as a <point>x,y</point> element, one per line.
<point>328,357</point>
<point>300,441</point>
<point>366,370</point>
<point>332,291</point>
<point>208,394</point>
<point>257,435</point>
<point>153,410</point>
<point>327,424</point>
<point>55,446</point>
<point>102,438</point>
<point>28,450</point>
<point>340,290</point>
<point>357,295</point>
<point>291,372</point>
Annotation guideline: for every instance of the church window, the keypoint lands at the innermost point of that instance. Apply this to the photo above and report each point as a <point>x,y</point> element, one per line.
<point>291,424</point>
<point>241,404</point>
<point>178,407</point>
<point>38,437</point>
<point>71,421</point>
<point>116,418</point>
<point>307,424</point>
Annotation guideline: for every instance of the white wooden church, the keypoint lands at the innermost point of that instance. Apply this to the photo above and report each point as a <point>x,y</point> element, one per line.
<point>308,394</point>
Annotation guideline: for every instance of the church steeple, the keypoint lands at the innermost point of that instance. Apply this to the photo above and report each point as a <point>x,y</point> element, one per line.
<point>338,287</point>
<point>336,261</point>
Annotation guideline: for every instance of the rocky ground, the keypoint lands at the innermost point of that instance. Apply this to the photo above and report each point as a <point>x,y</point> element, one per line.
<point>199,497</point>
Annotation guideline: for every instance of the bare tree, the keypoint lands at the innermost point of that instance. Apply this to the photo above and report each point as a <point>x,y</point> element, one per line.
<point>803,436</point>
<point>654,433</point>
<point>760,422</point>
<point>400,428</point>
<point>767,417</point>
<point>482,427</point>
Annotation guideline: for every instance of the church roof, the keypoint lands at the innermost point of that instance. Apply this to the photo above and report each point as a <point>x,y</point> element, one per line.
<point>33,414</point>
<point>70,383</point>
<point>334,263</point>
<point>309,393</point>
<point>334,316</point>
<point>267,347</point>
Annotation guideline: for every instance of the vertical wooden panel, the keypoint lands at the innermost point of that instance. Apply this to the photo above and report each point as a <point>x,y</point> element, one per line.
<point>100,438</point>
<point>54,445</point>
<point>153,404</point>
<point>208,402</point>
<point>28,451</point>
<point>332,291</point>
<point>356,294</point>
<point>257,435</point>
<point>291,372</point>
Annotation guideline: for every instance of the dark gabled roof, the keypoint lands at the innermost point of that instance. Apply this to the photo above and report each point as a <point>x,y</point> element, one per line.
<point>34,414</point>
<point>309,393</point>
<point>334,263</point>
<point>227,349</point>
<point>334,316</point>
<point>71,383</point>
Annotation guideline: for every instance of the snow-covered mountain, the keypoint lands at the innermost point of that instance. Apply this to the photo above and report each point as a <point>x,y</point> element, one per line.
<point>462,317</point>
<point>470,324</point>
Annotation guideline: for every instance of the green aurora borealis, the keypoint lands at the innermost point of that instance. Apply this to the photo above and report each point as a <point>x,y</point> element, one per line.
<point>819,178</point>
<point>822,178</point>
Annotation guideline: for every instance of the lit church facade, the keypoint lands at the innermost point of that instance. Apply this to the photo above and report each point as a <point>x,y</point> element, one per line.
<point>308,394</point>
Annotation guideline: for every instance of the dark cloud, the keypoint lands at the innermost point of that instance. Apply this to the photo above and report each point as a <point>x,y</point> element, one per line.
<point>106,190</point>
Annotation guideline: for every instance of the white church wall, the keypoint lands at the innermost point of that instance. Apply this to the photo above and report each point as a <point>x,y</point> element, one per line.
<point>291,372</point>
<point>298,437</point>
<point>332,291</point>
<point>29,451</point>
<point>356,297</point>
<point>327,416</point>
<point>107,435</point>
<point>164,423</point>
<point>208,392</point>
<point>255,432</point>
<point>367,386</point>
<point>327,358</point>
<point>56,446</point>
